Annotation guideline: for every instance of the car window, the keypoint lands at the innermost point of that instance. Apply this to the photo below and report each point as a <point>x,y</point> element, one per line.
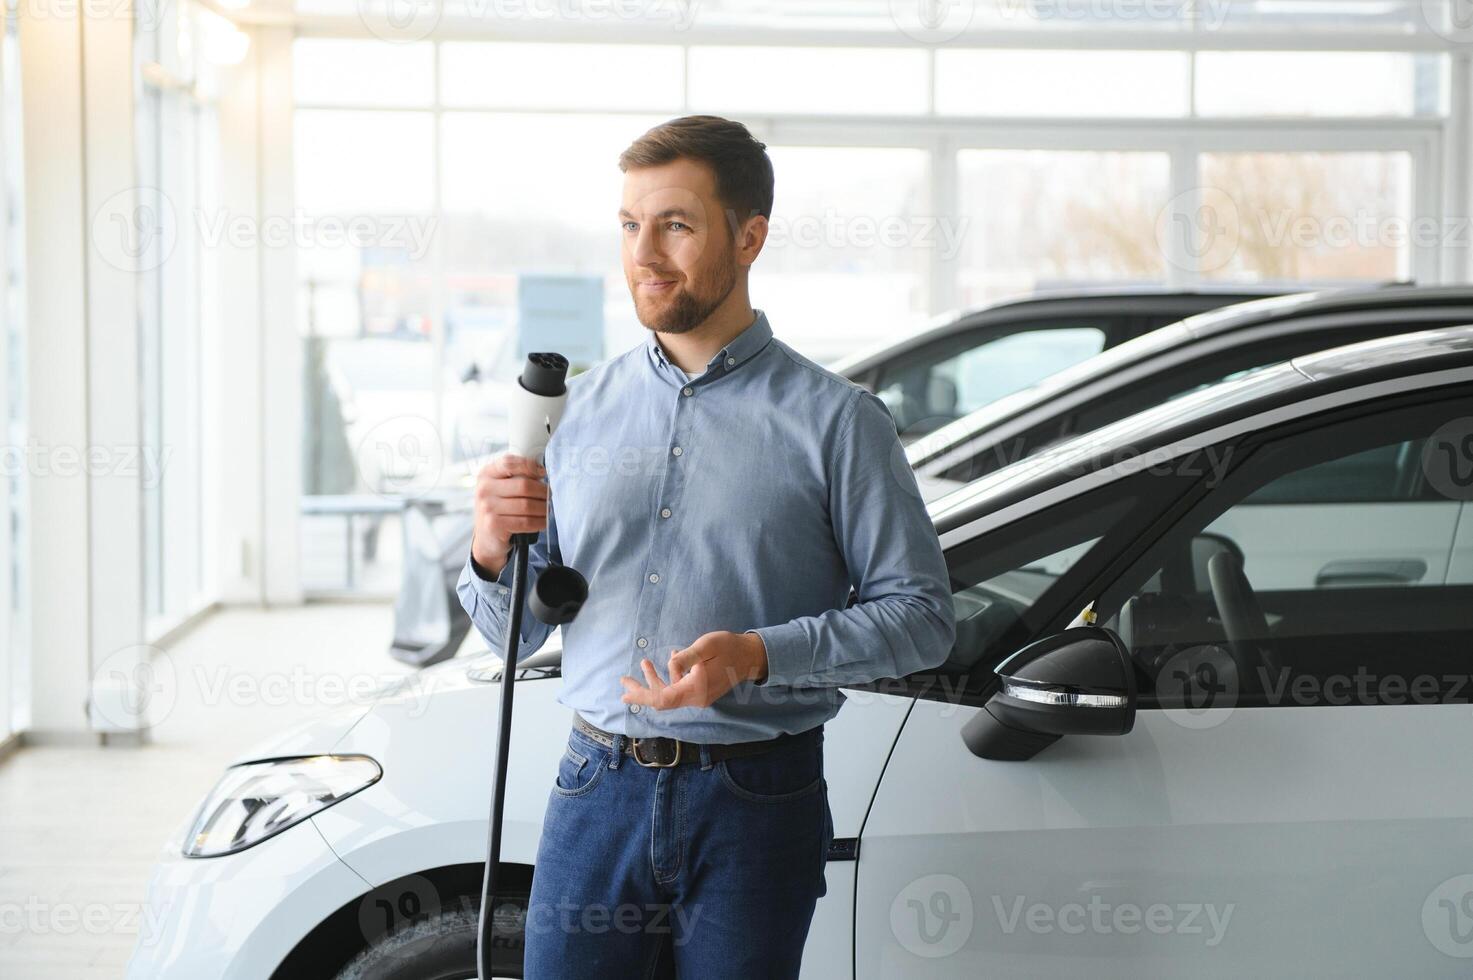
<point>1326,560</point>
<point>941,383</point>
<point>1386,473</point>
<point>997,590</point>
<point>1009,584</point>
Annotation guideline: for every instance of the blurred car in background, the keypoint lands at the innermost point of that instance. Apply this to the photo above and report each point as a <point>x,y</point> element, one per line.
<point>963,362</point>
<point>1170,362</point>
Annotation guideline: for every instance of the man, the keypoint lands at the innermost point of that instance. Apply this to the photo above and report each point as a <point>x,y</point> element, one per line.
<point>722,494</point>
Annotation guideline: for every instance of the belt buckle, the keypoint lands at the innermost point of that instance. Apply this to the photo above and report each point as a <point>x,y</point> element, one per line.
<point>636,742</point>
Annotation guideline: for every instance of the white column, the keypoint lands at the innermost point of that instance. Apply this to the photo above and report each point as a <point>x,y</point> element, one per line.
<point>129,229</point>
<point>59,558</point>
<point>85,223</point>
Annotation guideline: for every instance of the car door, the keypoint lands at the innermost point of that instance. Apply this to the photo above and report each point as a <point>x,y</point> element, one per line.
<point>1292,799</point>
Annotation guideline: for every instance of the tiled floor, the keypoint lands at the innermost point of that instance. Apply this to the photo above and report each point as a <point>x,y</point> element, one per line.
<point>81,827</point>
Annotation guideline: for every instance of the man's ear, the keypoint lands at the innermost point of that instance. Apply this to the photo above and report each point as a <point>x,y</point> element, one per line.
<point>751,238</point>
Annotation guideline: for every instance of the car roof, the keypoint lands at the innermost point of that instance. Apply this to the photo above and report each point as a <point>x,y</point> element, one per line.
<point>1367,298</point>
<point>1195,329</point>
<point>1289,382</point>
<point>1144,299</point>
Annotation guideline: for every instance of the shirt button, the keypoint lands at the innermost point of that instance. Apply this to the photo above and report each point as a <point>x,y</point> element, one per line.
<point>677,451</point>
<point>687,392</point>
<point>731,362</point>
<point>665,513</point>
<point>654,578</point>
<point>642,642</point>
<point>634,708</point>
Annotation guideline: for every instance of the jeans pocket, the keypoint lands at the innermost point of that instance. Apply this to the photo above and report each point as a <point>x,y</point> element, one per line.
<point>577,773</point>
<point>780,775</point>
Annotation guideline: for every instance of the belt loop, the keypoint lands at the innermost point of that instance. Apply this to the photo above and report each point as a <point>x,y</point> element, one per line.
<point>705,756</point>
<point>618,750</point>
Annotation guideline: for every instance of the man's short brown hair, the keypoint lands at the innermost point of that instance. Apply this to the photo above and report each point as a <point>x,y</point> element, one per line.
<point>743,170</point>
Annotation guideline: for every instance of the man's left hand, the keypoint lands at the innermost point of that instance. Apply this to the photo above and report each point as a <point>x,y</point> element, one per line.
<point>701,673</point>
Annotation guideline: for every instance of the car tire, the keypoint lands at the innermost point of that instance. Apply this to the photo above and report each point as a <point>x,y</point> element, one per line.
<point>442,946</point>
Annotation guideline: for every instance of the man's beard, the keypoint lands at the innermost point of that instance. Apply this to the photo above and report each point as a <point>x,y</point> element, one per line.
<point>688,308</point>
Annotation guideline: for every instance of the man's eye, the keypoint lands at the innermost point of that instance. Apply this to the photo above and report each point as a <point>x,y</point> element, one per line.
<point>679,226</point>
<point>630,226</point>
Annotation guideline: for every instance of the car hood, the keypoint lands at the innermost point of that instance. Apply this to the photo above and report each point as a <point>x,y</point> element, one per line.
<point>315,736</point>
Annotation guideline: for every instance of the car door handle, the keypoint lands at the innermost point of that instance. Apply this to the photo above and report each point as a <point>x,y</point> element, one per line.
<point>1371,571</point>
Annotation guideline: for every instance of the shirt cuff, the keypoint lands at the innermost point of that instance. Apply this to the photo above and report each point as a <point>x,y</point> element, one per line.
<point>789,655</point>
<point>496,592</point>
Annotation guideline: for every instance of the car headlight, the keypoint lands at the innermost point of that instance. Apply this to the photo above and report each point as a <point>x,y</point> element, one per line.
<point>258,800</point>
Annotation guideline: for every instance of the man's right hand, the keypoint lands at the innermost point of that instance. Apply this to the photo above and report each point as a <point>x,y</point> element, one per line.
<point>510,498</point>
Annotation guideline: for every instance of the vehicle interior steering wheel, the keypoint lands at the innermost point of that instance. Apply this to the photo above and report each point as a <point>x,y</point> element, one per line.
<point>1243,621</point>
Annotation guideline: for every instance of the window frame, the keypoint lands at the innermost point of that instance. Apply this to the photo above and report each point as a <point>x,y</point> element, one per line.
<point>1154,498</point>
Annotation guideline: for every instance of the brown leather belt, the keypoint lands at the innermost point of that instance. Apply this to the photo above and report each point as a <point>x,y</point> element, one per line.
<point>660,752</point>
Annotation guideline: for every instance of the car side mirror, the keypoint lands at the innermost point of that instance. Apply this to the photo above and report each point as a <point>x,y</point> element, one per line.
<point>1078,682</point>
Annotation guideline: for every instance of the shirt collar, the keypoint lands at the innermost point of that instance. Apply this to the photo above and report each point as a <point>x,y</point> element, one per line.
<point>741,348</point>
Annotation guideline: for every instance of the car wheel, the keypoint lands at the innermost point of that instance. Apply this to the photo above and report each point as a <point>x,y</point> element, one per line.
<point>442,945</point>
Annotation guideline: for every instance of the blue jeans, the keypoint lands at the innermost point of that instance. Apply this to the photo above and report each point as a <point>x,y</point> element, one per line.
<point>703,870</point>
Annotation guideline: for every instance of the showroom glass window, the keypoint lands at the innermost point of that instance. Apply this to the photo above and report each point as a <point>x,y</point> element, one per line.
<point>913,179</point>
<point>177,165</point>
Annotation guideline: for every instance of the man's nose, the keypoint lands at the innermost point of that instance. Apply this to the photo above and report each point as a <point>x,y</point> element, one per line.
<point>648,250</point>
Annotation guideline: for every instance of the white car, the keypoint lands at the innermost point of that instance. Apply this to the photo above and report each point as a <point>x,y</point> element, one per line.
<point>1207,715</point>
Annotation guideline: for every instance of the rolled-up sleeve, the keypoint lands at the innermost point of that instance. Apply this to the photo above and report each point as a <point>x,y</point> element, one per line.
<point>488,601</point>
<point>904,620</point>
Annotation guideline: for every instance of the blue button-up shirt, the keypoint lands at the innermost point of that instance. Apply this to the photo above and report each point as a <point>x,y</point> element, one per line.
<point>750,497</point>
